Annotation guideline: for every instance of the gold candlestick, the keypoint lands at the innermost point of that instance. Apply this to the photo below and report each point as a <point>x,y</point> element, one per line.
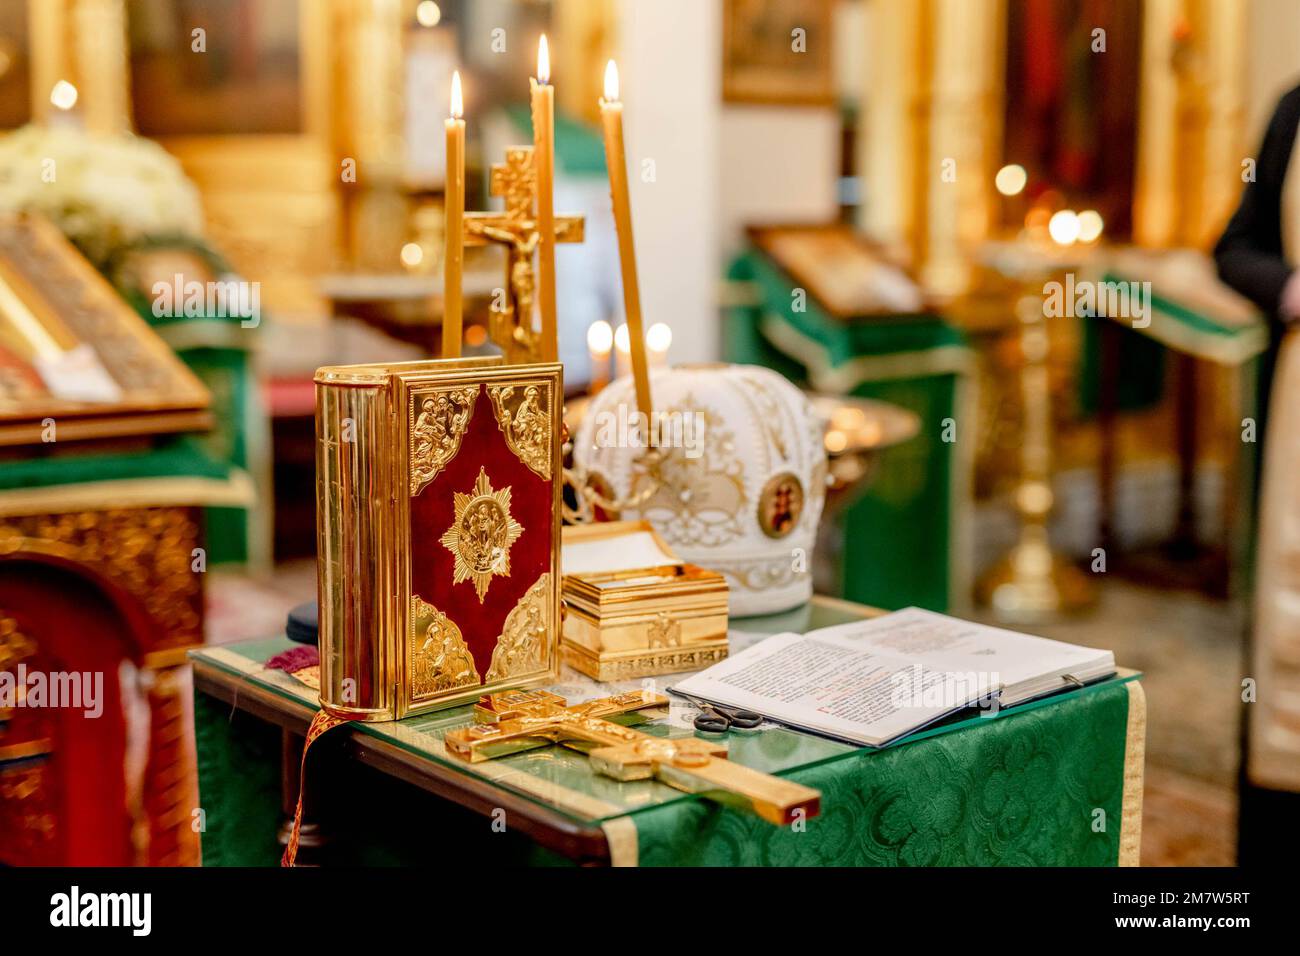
<point>611,115</point>
<point>454,217</point>
<point>543,103</point>
<point>1033,584</point>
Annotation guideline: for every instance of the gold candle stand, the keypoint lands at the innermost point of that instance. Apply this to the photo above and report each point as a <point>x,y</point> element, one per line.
<point>1032,583</point>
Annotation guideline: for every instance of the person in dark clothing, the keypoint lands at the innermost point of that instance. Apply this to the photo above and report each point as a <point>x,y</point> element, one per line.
<point>1257,256</point>
<point>1250,255</point>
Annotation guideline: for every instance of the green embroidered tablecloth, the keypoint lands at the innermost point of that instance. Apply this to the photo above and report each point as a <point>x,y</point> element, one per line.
<point>905,541</point>
<point>1054,782</point>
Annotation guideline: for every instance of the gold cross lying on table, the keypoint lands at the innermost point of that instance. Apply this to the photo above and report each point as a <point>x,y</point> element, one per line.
<point>520,720</point>
<point>510,326</point>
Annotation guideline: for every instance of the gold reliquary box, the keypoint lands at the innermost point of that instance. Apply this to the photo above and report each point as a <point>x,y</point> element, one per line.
<point>633,609</point>
<point>438,527</point>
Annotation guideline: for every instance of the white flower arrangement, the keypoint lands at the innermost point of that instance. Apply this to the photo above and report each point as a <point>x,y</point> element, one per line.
<point>102,191</point>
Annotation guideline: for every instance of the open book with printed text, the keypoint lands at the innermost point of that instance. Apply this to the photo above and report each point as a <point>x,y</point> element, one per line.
<point>871,682</point>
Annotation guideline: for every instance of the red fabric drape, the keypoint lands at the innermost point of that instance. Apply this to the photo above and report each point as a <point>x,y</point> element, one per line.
<point>76,628</point>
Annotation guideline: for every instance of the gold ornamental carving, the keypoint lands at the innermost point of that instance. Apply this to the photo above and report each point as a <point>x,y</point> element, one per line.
<point>440,659</point>
<point>481,536</point>
<point>648,664</point>
<point>665,631</point>
<point>522,643</point>
<point>145,551</point>
<point>25,816</point>
<point>438,422</point>
<point>524,416</point>
<point>15,646</point>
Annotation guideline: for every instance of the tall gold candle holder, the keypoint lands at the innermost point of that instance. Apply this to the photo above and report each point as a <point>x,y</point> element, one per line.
<point>1032,583</point>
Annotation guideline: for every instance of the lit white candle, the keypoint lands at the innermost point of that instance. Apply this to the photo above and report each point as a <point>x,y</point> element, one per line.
<point>611,115</point>
<point>543,102</point>
<point>453,219</point>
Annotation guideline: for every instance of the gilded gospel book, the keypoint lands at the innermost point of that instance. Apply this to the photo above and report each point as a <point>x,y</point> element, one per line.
<point>438,526</point>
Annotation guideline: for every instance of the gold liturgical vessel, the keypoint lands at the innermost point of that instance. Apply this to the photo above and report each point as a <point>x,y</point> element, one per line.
<point>634,609</point>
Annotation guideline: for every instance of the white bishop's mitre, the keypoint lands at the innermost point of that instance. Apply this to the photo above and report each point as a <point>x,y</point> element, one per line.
<point>742,489</point>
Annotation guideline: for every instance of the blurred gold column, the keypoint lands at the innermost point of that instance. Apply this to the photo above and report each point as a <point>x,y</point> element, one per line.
<point>83,42</point>
<point>583,37</point>
<point>372,131</point>
<point>966,107</point>
<point>1191,120</point>
<point>892,135</point>
<point>931,134</point>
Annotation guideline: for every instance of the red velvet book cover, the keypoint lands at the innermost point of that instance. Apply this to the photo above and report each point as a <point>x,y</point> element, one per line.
<point>481,539</point>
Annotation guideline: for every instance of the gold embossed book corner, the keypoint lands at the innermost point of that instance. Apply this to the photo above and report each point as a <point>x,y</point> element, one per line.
<point>438,487</point>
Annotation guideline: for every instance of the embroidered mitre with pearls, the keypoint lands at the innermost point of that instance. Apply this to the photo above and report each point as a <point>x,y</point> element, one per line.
<point>740,482</point>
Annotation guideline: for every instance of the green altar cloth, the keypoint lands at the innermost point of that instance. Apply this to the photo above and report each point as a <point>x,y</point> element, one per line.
<point>1053,782</point>
<point>174,471</point>
<point>905,541</point>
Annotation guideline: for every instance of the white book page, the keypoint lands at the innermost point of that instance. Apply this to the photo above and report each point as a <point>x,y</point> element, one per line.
<point>837,689</point>
<point>873,680</point>
<point>951,644</point>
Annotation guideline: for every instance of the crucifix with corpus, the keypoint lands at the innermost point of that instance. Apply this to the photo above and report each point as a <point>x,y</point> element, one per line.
<point>510,323</point>
<point>521,720</point>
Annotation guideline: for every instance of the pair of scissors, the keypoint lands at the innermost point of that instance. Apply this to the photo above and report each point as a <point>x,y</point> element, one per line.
<point>716,719</point>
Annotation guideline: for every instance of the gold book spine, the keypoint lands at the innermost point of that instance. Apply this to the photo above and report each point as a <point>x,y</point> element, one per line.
<point>355,529</point>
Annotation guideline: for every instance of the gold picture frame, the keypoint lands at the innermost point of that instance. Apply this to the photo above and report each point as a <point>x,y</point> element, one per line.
<point>767,60</point>
<point>53,303</point>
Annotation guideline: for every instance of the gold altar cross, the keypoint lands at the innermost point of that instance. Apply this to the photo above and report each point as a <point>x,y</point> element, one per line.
<point>510,323</point>
<point>520,720</point>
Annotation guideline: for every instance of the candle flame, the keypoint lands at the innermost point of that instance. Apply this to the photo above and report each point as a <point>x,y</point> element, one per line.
<point>63,95</point>
<point>543,61</point>
<point>658,337</point>
<point>611,82</point>
<point>600,337</point>
<point>457,103</point>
